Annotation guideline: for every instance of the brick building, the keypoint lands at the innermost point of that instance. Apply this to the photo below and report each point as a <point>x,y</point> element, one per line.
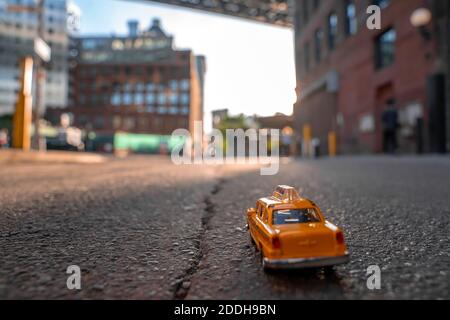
<point>348,74</point>
<point>136,83</point>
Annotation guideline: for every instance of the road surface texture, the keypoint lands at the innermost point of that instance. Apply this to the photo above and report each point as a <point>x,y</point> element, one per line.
<point>142,228</point>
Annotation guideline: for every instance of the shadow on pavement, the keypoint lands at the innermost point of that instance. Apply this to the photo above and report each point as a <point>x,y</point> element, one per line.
<point>309,281</point>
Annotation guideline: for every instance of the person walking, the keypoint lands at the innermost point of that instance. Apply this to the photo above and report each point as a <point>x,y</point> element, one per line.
<point>389,120</point>
<point>4,139</point>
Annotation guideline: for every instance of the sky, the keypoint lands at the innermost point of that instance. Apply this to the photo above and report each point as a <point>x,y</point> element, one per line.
<point>250,65</point>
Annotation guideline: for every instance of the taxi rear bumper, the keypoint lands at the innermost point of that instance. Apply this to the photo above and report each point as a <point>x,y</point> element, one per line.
<point>301,263</point>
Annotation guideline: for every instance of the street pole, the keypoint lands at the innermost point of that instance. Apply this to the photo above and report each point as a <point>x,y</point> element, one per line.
<point>22,114</point>
<point>38,143</point>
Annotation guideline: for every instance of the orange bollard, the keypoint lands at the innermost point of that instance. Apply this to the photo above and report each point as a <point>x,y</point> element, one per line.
<point>22,114</point>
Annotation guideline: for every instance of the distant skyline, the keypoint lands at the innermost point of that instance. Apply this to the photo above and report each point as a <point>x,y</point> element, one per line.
<point>250,65</point>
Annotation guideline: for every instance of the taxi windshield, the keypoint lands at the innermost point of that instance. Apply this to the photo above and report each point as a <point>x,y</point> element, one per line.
<point>293,216</point>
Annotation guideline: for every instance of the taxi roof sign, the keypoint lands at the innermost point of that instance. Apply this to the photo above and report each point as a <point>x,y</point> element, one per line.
<point>286,194</point>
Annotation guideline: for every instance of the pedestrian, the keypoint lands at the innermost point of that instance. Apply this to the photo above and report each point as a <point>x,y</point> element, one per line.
<point>389,120</point>
<point>4,139</point>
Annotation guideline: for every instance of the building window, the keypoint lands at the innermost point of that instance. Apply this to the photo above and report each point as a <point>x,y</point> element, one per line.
<point>116,122</point>
<point>156,123</point>
<point>162,110</point>
<point>173,110</point>
<point>185,110</point>
<point>381,3</point>
<point>105,99</point>
<point>83,120</point>
<point>351,24</point>
<point>173,84</point>
<point>89,44</point>
<point>99,122</point>
<point>161,98</point>
<point>129,123</point>
<point>184,84</point>
<point>143,123</point>
<point>150,86</point>
<point>92,100</point>
<point>139,86</point>
<point>184,98</point>
<point>332,30</point>
<point>385,49</point>
<point>139,98</point>
<point>127,99</point>
<point>173,98</point>
<point>150,97</point>
<point>318,38</point>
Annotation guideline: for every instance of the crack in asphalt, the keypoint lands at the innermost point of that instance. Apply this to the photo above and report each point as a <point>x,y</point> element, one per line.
<point>182,286</point>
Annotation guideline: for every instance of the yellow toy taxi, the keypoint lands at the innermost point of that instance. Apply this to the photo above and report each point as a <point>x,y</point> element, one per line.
<point>291,232</point>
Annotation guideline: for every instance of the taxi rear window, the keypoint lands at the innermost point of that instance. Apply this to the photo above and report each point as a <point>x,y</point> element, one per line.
<point>293,216</point>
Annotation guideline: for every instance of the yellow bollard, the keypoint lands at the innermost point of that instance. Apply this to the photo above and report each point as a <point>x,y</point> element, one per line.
<point>307,138</point>
<point>332,144</point>
<point>22,114</point>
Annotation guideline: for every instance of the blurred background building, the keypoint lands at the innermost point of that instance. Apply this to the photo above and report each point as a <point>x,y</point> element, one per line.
<point>18,29</point>
<point>348,75</point>
<point>358,90</point>
<point>135,83</point>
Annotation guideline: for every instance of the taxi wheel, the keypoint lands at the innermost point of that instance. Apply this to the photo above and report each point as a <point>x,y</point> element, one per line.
<point>263,264</point>
<point>266,270</point>
<point>328,270</point>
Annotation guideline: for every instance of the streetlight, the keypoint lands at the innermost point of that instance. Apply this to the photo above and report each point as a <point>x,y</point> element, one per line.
<point>420,19</point>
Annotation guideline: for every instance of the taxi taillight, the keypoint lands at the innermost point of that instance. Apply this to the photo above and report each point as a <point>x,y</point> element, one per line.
<point>339,237</point>
<point>276,243</point>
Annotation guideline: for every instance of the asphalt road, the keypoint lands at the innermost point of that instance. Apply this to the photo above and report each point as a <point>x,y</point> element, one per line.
<point>142,228</point>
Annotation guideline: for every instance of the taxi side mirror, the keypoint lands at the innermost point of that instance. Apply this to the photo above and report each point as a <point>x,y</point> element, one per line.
<point>251,211</point>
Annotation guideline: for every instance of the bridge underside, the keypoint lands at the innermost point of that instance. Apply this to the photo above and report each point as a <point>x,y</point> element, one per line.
<point>276,12</point>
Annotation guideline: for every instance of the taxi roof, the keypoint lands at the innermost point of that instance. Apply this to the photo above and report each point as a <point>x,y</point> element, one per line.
<point>285,197</point>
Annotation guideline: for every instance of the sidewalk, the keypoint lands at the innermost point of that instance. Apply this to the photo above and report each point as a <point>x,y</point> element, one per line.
<point>13,156</point>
